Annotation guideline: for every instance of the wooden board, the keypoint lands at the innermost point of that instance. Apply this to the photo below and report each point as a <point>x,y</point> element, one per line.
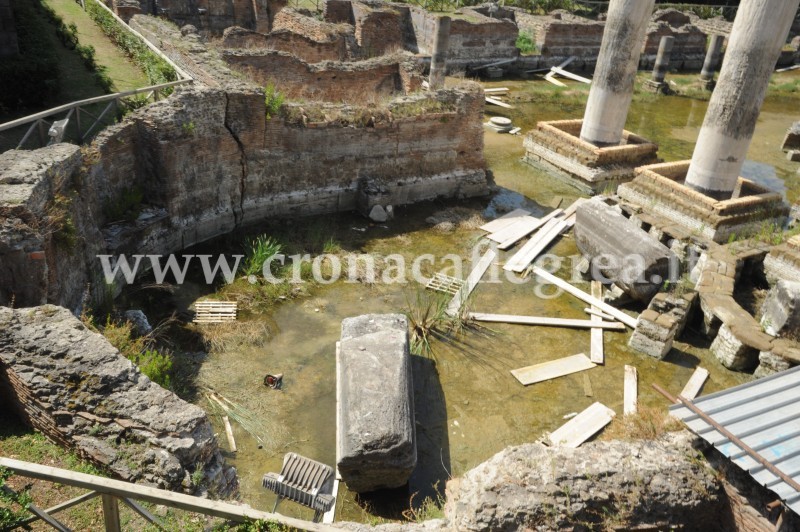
<point>583,426</point>
<point>454,307</point>
<point>516,230</point>
<point>495,101</point>
<point>445,284</point>
<point>583,296</point>
<point>536,246</point>
<point>570,75</point>
<point>695,384</point>
<point>552,369</point>
<point>498,89</point>
<point>594,312</point>
<point>505,220</point>
<point>549,77</point>
<point>596,353</point>
<point>631,390</point>
<point>215,311</point>
<point>512,236</point>
<point>545,321</point>
<point>229,433</point>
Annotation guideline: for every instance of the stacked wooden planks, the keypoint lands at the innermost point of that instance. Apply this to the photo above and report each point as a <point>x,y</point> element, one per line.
<point>215,311</point>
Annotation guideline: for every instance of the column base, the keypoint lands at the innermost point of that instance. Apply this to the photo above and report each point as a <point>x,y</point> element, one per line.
<point>557,148</point>
<point>656,87</point>
<point>658,190</point>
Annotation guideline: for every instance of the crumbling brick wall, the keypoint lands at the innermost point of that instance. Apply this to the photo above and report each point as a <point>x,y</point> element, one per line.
<point>363,81</point>
<point>338,11</point>
<point>296,22</point>
<point>562,34</point>
<point>378,28</point>
<point>284,40</point>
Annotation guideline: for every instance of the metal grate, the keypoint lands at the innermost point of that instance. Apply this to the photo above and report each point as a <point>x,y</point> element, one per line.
<point>303,481</point>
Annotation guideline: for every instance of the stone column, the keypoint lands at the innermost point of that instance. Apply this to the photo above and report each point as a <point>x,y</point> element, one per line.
<point>756,39</point>
<point>662,59</point>
<point>612,85</point>
<point>439,55</point>
<point>712,60</point>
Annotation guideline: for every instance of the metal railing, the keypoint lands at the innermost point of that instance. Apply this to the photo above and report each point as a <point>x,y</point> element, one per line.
<point>56,130</point>
<point>88,122</point>
<point>113,492</point>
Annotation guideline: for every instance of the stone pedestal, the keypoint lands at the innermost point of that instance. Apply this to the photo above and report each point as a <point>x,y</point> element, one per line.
<point>780,315</point>
<point>376,439</point>
<point>556,147</point>
<point>659,190</point>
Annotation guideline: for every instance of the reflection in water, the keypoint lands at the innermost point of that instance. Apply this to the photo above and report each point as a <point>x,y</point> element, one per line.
<point>467,407</point>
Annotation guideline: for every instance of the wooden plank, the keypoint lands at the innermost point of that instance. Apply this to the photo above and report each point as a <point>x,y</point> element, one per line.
<point>497,89</point>
<point>111,513</point>
<point>229,433</point>
<point>546,322</point>
<point>518,258</point>
<point>515,130</point>
<point>631,390</point>
<point>538,246</point>
<point>695,384</point>
<point>522,226</point>
<point>474,277</point>
<point>593,312</point>
<point>505,220</point>
<point>62,506</point>
<point>596,353</point>
<point>549,77</point>
<point>495,63</point>
<point>583,426</point>
<point>587,385</point>
<point>118,488</point>
<point>570,75</point>
<point>495,101</point>
<point>583,296</point>
<point>552,369</point>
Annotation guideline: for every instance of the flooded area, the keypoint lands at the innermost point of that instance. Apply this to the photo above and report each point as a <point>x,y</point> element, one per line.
<point>468,405</point>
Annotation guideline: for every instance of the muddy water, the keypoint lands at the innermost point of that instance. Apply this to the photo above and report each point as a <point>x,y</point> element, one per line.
<point>468,404</point>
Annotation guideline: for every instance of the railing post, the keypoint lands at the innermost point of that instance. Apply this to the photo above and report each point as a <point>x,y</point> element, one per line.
<point>78,121</point>
<point>111,513</point>
<point>42,132</point>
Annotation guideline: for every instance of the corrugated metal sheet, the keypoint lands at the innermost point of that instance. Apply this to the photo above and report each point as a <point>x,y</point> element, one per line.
<point>765,415</point>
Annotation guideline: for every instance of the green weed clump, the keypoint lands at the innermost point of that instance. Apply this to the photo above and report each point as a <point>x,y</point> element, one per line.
<point>140,350</point>
<point>259,251</point>
<point>273,100</point>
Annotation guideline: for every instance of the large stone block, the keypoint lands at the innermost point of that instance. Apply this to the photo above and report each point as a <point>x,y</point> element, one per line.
<point>732,352</point>
<point>780,314</point>
<point>620,251</point>
<point>376,435</point>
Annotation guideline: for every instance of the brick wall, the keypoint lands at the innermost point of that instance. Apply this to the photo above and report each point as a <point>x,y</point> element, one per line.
<point>378,28</point>
<point>360,82</point>
<point>296,22</point>
<point>338,11</point>
<point>284,40</point>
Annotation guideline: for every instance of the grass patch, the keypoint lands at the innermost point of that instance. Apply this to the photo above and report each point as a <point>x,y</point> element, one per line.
<point>259,250</point>
<point>525,43</point>
<point>648,423</point>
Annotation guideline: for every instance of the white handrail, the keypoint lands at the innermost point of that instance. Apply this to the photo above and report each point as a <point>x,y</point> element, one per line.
<point>80,103</point>
<point>118,488</point>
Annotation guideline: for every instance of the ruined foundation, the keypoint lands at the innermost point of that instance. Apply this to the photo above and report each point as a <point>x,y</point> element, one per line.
<point>659,189</point>
<point>557,148</point>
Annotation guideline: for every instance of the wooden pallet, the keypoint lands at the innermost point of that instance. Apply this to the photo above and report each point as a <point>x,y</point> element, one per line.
<point>215,311</point>
<point>445,284</point>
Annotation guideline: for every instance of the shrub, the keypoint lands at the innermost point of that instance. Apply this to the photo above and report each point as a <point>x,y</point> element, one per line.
<point>157,366</point>
<point>9,516</point>
<point>525,43</point>
<point>273,100</point>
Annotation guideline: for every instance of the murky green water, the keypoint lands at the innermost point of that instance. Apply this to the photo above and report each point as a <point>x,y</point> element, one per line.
<point>468,405</point>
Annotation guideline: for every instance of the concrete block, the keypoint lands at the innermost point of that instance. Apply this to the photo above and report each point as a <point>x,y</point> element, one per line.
<point>621,251</point>
<point>376,433</point>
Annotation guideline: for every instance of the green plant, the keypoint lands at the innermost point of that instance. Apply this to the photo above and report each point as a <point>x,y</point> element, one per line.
<point>197,475</point>
<point>188,128</point>
<point>58,222</point>
<point>430,508</point>
<point>259,251</point>
<point>525,43</point>
<point>9,515</point>
<point>273,100</point>
<point>331,246</point>
<point>157,366</point>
